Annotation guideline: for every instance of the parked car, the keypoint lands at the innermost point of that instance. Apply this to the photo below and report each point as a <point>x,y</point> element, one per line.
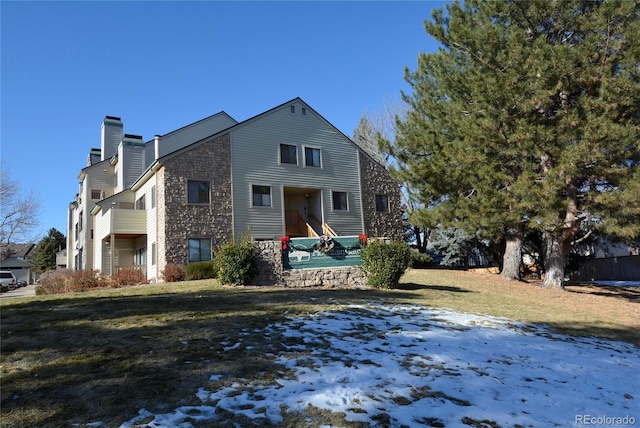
<point>7,281</point>
<point>22,283</point>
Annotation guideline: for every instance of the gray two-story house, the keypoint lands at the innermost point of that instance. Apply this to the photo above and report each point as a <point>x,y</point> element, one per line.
<point>286,171</point>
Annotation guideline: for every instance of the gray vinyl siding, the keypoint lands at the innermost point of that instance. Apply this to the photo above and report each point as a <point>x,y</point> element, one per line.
<point>111,134</point>
<point>188,135</point>
<point>130,160</point>
<point>255,161</point>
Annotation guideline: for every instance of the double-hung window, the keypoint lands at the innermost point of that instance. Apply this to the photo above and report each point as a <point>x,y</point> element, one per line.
<point>339,201</point>
<point>261,196</point>
<point>198,192</point>
<point>312,157</point>
<point>199,249</point>
<point>288,154</point>
<point>382,203</point>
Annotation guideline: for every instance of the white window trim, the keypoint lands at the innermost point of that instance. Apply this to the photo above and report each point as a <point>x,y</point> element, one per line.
<point>348,204</point>
<point>251,196</point>
<point>297,164</point>
<point>304,156</point>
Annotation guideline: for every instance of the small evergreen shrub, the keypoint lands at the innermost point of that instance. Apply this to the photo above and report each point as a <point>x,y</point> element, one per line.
<point>384,264</point>
<point>127,277</point>
<point>201,270</point>
<point>236,262</point>
<point>173,273</point>
<point>420,260</point>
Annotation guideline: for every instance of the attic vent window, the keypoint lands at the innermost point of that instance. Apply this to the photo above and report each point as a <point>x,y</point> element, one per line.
<point>304,111</point>
<point>293,109</point>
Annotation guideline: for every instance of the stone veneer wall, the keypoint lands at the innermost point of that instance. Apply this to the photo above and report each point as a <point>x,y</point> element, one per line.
<point>375,180</point>
<point>160,221</point>
<point>271,270</point>
<point>210,161</point>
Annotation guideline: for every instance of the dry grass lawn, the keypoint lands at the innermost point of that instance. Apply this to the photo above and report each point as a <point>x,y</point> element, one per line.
<point>102,356</point>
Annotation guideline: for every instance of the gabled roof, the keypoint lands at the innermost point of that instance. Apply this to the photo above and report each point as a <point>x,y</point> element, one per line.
<point>13,250</point>
<point>14,262</point>
<point>220,113</point>
<point>253,119</point>
<point>84,170</point>
<point>158,162</point>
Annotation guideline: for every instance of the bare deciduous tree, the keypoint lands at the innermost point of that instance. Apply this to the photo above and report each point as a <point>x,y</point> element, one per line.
<point>19,212</point>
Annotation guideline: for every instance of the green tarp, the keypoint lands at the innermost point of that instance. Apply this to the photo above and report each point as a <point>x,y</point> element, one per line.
<point>306,253</point>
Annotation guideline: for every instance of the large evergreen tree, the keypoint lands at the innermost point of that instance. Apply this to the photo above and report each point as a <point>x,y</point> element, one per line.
<point>527,116</point>
<point>44,254</point>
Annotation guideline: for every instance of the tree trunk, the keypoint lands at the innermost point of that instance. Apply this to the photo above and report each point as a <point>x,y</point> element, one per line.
<point>556,249</point>
<point>512,258</point>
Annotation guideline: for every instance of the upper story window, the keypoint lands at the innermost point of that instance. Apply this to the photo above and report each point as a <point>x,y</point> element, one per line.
<point>288,154</point>
<point>140,203</point>
<point>96,194</point>
<point>339,201</point>
<point>261,196</point>
<point>382,203</point>
<point>304,111</point>
<point>198,192</point>
<point>153,197</point>
<point>292,109</point>
<point>312,157</point>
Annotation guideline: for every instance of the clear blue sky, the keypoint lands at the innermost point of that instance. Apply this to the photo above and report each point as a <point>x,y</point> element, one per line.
<point>162,65</point>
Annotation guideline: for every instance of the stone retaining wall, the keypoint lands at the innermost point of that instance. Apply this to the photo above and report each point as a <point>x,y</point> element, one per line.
<point>272,272</point>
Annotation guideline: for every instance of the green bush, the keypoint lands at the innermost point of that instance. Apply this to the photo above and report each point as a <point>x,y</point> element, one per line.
<point>420,260</point>
<point>173,272</point>
<point>201,270</point>
<point>236,262</point>
<point>384,264</point>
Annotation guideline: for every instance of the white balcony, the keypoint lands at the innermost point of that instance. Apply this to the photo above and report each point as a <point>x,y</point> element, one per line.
<point>118,221</point>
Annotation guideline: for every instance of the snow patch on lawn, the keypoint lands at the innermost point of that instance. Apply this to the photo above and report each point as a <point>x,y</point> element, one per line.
<point>417,366</point>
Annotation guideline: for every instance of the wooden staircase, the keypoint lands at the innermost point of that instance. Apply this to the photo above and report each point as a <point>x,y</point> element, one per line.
<point>297,226</point>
